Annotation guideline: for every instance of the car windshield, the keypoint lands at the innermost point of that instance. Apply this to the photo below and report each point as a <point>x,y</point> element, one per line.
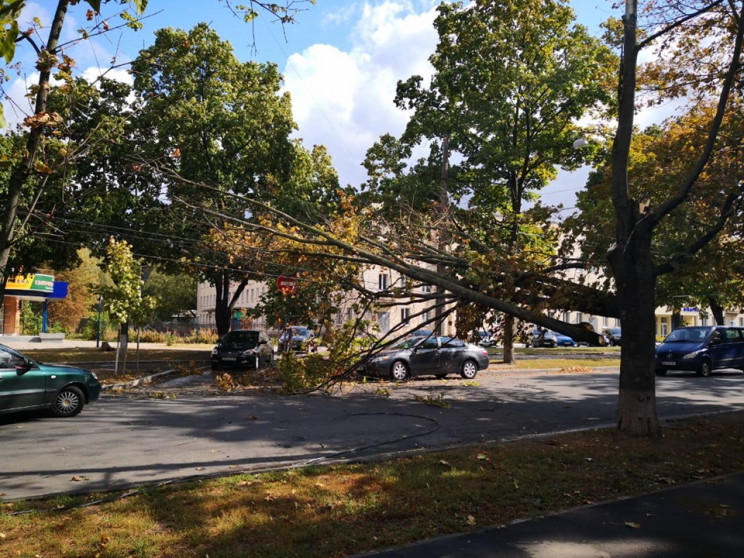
<point>687,335</point>
<point>241,337</point>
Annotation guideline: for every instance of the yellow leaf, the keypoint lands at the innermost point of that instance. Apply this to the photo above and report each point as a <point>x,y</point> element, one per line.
<point>632,525</point>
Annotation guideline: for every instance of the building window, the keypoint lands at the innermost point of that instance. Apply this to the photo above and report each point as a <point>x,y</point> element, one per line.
<point>383,321</point>
<point>425,289</point>
<point>664,326</point>
<point>383,281</point>
<point>579,317</point>
<point>427,316</point>
<point>404,314</point>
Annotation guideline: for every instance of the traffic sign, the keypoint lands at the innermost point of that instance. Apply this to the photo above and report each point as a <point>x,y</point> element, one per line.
<point>286,285</point>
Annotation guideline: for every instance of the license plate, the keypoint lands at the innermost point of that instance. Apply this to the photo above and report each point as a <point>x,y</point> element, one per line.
<point>669,363</point>
<point>229,358</point>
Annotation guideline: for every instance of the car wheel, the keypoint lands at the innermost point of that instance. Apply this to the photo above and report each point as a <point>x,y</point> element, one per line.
<point>705,369</point>
<point>469,369</point>
<point>399,371</point>
<point>661,371</point>
<point>68,402</point>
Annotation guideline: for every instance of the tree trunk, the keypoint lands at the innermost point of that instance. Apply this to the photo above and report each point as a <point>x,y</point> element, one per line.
<point>676,319</point>
<point>122,347</point>
<point>222,306</point>
<point>510,327</point>
<point>717,311</point>
<point>634,271</point>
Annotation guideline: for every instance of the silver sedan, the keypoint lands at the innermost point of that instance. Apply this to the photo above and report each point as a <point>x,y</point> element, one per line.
<point>438,356</point>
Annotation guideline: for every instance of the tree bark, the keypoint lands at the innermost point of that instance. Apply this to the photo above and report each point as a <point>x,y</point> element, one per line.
<point>636,413</point>
<point>222,306</point>
<point>510,328</point>
<point>717,311</point>
<point>631,261</point>
<point>676,319</point>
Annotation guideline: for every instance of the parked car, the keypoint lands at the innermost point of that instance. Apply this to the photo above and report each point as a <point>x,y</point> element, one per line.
<point>438,356</point>
<point>613,335</point>
<point>422,333</point>
<point>544,338</point>
<point>486,339</point>
<point>564,340</point>
<point>548,338</point>
<point>26,384</point>
<point>295,338</point>
<point>701,349</point>
<point>244,348</point>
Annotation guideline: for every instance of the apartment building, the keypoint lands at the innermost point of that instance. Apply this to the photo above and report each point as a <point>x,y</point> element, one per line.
<point>406,314</point>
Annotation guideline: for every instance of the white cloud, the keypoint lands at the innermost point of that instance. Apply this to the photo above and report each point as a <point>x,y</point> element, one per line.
<point>344,99</point>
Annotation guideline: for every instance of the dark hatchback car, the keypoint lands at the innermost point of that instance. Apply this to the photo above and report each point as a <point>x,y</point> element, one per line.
<point>701,349</point>
<point>613,335</point>
<point>296,337</point>
<point>26,385</point>
<point>242,348</point>
<point>438,356</point>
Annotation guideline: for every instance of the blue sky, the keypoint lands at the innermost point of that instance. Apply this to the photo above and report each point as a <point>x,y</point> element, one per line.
<point>341,61</point>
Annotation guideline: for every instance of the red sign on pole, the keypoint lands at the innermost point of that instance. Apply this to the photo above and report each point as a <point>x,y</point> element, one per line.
<point>286,285</point>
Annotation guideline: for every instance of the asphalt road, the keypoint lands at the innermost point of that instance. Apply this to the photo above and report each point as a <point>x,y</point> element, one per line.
<point>118,442</point>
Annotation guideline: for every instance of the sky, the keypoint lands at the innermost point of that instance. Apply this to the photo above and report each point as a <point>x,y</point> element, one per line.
<point>341,61</point>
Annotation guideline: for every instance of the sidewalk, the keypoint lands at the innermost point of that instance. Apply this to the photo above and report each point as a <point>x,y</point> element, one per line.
<point>703,519</point>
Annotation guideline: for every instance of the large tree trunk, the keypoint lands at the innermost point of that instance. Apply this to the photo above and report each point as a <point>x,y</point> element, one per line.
<point>222,304</point>
<point>717,310</point>
<point>636,285</point>
<point>510,328</point>
<point>631,262</point>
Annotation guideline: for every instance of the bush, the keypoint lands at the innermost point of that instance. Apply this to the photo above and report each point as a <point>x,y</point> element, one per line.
<point>303,374</point>
<point>173,337</point>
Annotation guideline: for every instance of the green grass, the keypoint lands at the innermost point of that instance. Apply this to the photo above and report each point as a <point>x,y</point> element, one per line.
<point>345,509</point>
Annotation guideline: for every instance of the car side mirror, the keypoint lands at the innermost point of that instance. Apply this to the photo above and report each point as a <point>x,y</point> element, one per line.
<point>715,341</point>
<point>22,368</point>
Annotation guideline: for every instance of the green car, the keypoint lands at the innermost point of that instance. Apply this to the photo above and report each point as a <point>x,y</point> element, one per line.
<point>27,385</point>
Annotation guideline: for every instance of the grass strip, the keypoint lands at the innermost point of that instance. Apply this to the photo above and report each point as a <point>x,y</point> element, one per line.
<point>345,509</point>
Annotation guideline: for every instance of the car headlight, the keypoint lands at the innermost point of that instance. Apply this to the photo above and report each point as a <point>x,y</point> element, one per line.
<point>692,354</point>
<point>94,375</point>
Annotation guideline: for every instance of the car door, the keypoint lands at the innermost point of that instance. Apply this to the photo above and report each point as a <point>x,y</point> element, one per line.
<point>739,354</point>
<point>723,347</point>
<point>425,358</point>
<point>451,352</point>
<point>19,388</point>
